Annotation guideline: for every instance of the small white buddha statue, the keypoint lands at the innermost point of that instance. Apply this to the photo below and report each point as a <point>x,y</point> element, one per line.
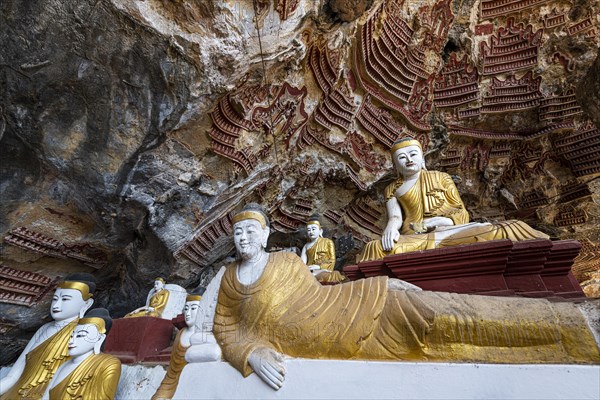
<point>156,303</point>
<point>47,350</point>
<point>319,253</point>
<point>168,386</point>
<point>88,374</point>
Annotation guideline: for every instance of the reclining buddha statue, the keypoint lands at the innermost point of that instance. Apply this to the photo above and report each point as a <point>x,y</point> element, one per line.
<point>269,306</point>
<point>425,211</point>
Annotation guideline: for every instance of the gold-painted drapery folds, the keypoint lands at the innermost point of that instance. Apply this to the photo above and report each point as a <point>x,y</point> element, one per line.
<point>287,310</point>
<point>41,364</point>
<point>435,195</point>
<point>96,378</point>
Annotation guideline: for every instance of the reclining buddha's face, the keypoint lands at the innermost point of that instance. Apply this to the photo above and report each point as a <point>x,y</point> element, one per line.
<point>250,238</point>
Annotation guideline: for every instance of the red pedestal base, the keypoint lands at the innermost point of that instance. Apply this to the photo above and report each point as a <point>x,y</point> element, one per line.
<point>533,268</point>
<point>134,340</point>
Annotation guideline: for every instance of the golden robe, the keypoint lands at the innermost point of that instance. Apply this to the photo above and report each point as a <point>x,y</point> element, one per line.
<point>168,386</point>
<point>158,301</point>
<point>322,253</point>
<point>40,365</point>
<point>96,378</point>
<point>434,194</point>
<point>289,311</point>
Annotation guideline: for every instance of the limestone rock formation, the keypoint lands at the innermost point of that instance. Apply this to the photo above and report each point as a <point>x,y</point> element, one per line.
<point>132,129</point>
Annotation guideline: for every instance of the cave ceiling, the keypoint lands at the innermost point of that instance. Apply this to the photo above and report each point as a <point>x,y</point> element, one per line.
<point>131,130</point>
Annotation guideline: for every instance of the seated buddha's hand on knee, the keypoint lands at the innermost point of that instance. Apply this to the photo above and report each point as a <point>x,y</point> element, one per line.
<point>389,237</point>
<point>268,365</point>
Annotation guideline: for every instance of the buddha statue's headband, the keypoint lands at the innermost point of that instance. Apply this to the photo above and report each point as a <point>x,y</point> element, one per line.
<point>317,223</point>
<point>405,143</point>
<point>98,322</point>
<point>193,297</point>
<point>250,215</point>
<point>160,279</point>
<point>83,288</point>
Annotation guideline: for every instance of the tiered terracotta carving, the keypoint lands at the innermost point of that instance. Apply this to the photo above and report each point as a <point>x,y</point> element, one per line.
<point>496,8</point>
<point>554,18</point>
<point>268,110</point>
<point>513,48</point>
<point>512,94</point>
<point>365,214</point>
<point>581,149</point>
<point>559,107</point>
<point>457,83</point>
<point>23,287</point>
<point>39,243</point>
<point>198,248</point>
<point>398,71</point>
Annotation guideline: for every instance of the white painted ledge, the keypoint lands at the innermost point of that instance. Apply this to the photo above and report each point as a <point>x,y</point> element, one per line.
<point>331,379</point>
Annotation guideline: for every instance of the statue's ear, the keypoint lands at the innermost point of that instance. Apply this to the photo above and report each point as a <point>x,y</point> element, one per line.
<point>98,344</point>
<point>265,239</point>
<point>87,305</point>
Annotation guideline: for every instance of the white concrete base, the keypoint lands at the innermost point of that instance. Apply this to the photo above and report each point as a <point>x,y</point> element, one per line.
<point>331,379</point>
<point>139,382</point>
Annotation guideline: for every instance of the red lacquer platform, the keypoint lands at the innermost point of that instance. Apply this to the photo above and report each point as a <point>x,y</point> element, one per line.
<point>134,340</point>
<point>532,268</point>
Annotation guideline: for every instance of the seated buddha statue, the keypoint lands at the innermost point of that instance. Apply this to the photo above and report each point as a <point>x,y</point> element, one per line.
<point>425,211</point>
<point>156,302</point>
<point>269,306</point>
<point>167,387</point>
<point>88,374</point>
<point>47,350</point>
<point>319,253</point>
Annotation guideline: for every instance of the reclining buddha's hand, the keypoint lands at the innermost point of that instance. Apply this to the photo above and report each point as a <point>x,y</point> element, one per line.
<point>268,365</point>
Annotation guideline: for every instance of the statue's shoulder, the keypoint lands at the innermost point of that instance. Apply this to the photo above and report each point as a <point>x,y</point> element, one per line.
<point>325,240</point>
<point>390,190</point>
<point>287,257</point>
<point>438,176</point>
<point>108,361</point>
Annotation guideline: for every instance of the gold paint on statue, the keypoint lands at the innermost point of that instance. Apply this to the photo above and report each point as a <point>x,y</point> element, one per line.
<point>41,363</point>
<point>249,215</point>
<point>158,301</point>
<point>288,311</point>
<point>98,322</point>
<point>193,297</point>
<point>95,379</point>
<point>168,386</point>
<point>319,254</point>
<point>405,143</point>
<point>419,195</point>
<point>83,288</point>
<point>322,253</point>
